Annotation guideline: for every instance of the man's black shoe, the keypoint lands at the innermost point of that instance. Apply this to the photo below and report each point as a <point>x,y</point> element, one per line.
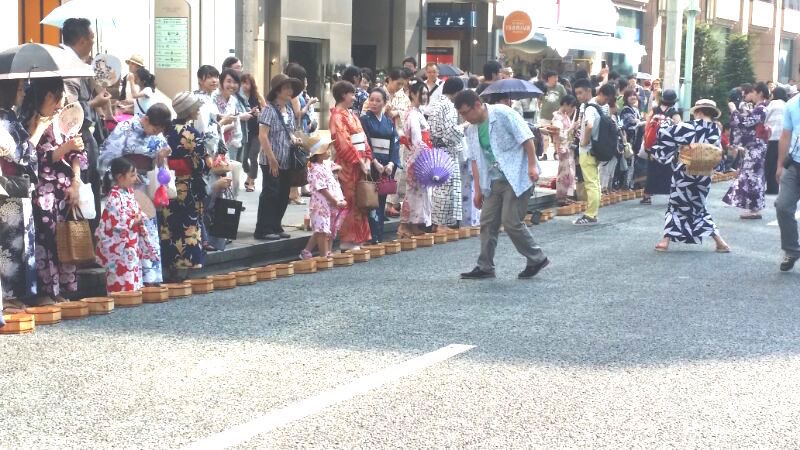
<point>477,274</point>
<point>788,263</point>
<point>531,271</point>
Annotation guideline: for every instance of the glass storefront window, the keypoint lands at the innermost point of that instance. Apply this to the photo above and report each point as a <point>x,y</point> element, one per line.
<point>785,60</point>
<point>629,28</point>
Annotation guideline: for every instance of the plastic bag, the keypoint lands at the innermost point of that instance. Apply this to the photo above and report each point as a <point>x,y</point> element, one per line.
<point>161,198</point>
<point>86,201</point>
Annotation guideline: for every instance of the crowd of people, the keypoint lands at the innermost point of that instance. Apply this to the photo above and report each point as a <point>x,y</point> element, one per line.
<point>607,133</point>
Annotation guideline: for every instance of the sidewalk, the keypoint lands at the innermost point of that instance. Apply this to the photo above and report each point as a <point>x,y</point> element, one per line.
<point>246,251</point>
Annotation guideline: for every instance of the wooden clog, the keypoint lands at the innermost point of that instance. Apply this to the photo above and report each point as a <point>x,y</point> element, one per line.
<point>342,259</point>
<point>123,300</point>
<point>284,270</point>
<point>224,281</point>
<point>305,266</point>
<point>179,290</point>
<point>391,248</point>
<point>324,262</point>
<point>99,305</point>
<point>361,255</point>
<point>245,277</point>
<point>202,285</point>
<point>74,310</point>
<point>45,315</point>
<point>408,244</point>
<point>375,251</point>
<point>426,240</point>
<point>156,294</point>
<point>18,323</point>
<point>265,273</point>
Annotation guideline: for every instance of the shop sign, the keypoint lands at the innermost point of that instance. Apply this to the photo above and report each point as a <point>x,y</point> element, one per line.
<point>440,55</point>
<point>463,19</point>
<point>517,27</point>
<point>172,42</point>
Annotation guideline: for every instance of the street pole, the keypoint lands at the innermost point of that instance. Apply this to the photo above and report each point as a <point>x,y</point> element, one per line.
<point>686,96</point>
<point>672,48</point>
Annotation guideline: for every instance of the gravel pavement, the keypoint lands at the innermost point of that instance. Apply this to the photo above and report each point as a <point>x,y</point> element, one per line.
<point>612,345</point>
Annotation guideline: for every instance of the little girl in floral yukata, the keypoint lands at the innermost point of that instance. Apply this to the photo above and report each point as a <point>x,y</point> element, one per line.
<point>327,200</point>
<point>121,236</point>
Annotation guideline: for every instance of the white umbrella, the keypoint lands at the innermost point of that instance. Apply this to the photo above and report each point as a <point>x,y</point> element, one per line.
<point>643,76</point>
<point>101,11</point>
<point>41,61</point>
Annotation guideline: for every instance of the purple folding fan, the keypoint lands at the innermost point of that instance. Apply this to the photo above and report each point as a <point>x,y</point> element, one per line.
<point>433,167</point>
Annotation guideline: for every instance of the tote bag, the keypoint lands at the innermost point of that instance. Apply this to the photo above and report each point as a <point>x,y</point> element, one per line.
<point>74,239</point>
<point>225,218</point>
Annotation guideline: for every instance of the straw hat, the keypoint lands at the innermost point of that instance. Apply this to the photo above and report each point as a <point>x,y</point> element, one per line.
<point>135,59</point>
<point>185,103</point>
<point>316,144</point>
<point>708,105</point>
<point>279,80</point>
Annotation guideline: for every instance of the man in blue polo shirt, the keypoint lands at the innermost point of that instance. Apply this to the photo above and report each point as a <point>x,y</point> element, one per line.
<point>788,176</point>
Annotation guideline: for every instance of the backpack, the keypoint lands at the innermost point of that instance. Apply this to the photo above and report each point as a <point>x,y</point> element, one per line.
<point>651,131</point>
<point>604,148</point>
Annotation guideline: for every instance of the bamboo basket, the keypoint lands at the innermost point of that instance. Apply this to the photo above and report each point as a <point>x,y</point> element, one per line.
<point>265,273</point>
<point>18,323</point>
<point>123,300</point>
<point>342,259</point>
<point>360,255</point>
<point>463,233</point>
<point>99,305</point>
<point>245,277</point>
<point>284,270</point>
<point>475,231</point>
<point>324,262</point>
<point>700,159</point>
<point>202,285</point>
<point>179,290</point>
<point>391,248</point>
<point>305,266</point>
<point>426,240</point>
<point>440,238</point>
<point>159,294</point>
<point>45,315</point>
<point>407,244</point>
<point>223,282</point>
<point>73,310</point>
<point>375,251</point>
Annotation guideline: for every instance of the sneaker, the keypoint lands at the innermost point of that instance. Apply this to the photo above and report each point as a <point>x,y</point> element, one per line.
<point>585,220</point>
<point>477,274</point>
<point>531,271</point>
<point>788,263</point>
<point>305,254</point>
<point>283,235</point>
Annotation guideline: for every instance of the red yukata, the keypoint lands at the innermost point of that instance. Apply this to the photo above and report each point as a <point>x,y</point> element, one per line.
<point>121,245</point>
<point>351,147</point>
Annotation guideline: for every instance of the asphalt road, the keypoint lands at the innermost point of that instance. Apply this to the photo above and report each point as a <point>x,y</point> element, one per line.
<point>612,345</point>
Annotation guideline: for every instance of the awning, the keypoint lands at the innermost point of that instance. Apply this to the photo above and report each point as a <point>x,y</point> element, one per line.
<point>562,41</point>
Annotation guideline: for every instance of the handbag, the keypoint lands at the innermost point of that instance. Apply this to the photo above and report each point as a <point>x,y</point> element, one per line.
<point>74,239</point>
<point>298,158</point>
<point>367,194</point>
<point>387,185</point>
<point>225,217</point>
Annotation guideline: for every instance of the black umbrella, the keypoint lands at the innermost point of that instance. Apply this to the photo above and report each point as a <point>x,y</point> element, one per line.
<point>515,88</point>
<point>41,61</point>
<point>446,70</point>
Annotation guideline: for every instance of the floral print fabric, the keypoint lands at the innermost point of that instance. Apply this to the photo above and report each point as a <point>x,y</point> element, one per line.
<point>748,189</point>
<point>325,218</point>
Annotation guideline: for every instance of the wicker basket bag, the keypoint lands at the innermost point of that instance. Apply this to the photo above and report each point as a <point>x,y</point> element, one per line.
<point>700,159</point>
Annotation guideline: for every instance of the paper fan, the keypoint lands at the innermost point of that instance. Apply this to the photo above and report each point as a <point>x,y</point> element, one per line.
<point>69,120</point>
<point>433,167</point>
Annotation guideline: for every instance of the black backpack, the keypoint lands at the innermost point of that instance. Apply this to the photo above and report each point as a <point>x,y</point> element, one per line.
<point>604,148</point>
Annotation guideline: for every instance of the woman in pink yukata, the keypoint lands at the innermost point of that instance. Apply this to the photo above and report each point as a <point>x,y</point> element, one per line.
<point>327,200</point>
<point>121,236</point>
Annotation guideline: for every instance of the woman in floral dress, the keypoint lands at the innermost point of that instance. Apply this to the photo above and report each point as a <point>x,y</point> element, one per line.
<point>181,222</point>
<point>749,188</point>
<point>17,234</point>
<point>687,220</point>
<point>448,135</point>
<point>59,164</point>
<point>562,121</point>
<point>354,156</point>
<point>417,207</point>
<point>121,237</point>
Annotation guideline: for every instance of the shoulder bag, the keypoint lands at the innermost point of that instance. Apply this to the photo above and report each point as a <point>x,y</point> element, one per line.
<point>367,194</point>
<point>298,158</point>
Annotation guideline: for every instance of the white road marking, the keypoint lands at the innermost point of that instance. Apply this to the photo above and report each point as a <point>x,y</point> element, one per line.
<point>304,408</point>
<point>774,223</point>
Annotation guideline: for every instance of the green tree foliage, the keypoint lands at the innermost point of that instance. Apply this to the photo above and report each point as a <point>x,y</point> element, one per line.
<point>707,63</point>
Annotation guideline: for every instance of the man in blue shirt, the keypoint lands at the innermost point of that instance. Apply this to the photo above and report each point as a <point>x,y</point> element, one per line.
<point>788,175</point>
<point>503,158</point>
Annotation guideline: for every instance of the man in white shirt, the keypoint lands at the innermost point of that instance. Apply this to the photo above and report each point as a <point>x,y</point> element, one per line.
<point>434,85</point>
